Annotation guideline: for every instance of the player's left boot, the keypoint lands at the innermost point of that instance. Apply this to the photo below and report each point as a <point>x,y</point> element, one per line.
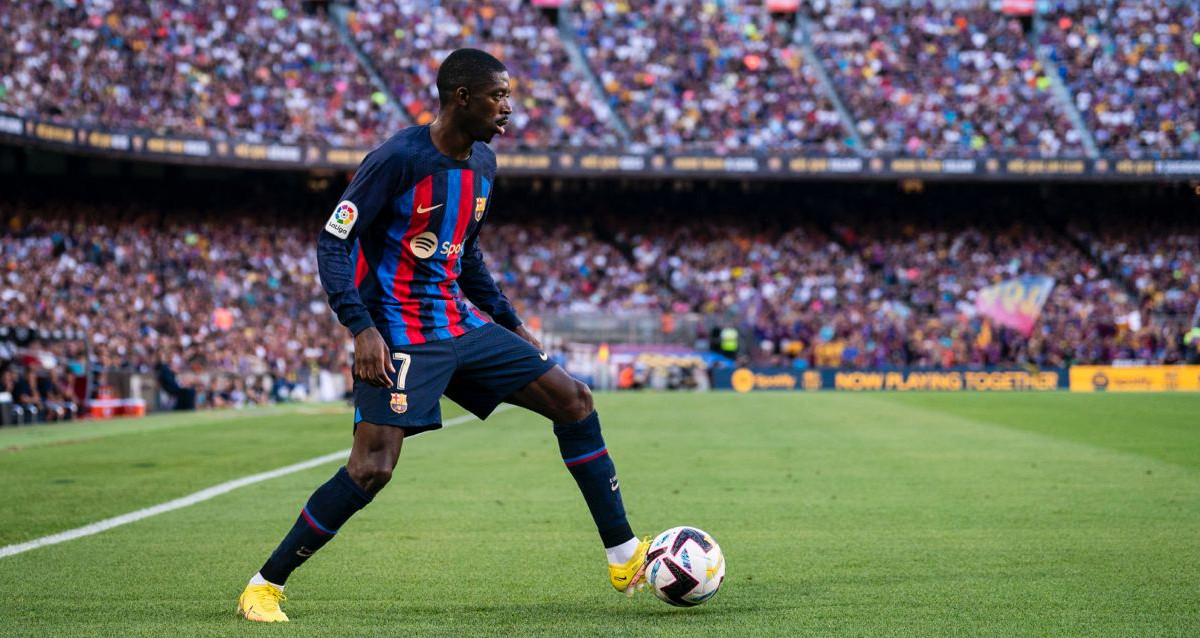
<point>260,603</point>
<point>631,576</point>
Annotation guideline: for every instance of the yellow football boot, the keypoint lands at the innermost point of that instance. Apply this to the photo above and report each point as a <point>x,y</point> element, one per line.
<point>260,603</point>
<point>630,577</point>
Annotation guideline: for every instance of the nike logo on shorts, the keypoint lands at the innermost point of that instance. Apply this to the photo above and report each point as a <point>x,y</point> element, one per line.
<point>543,356</point>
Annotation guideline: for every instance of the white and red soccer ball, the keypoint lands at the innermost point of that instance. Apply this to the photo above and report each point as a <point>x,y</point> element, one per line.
<point>685,566</point>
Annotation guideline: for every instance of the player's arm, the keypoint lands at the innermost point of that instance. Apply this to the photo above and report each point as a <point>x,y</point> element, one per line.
<point>365,197</point>
<point>481,289</point>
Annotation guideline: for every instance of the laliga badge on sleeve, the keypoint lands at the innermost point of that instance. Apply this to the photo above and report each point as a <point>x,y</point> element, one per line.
<point>342,219</point>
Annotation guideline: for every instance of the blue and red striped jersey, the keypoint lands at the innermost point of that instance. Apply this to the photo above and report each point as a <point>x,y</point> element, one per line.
<point>400,250</point>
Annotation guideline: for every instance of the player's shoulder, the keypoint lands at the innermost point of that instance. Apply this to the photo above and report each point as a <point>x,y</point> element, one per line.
<point>413,151</point>
<point>483,157</point>
<point>406,144</point>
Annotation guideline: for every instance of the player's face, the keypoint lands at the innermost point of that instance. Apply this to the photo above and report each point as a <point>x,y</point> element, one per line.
<point>489,108</point>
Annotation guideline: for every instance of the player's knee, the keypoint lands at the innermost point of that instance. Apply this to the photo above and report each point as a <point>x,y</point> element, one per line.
<point>580,405</point>
<point>370,476</point>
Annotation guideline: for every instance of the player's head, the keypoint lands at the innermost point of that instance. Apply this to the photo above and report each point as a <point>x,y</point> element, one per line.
<point>473,89</point>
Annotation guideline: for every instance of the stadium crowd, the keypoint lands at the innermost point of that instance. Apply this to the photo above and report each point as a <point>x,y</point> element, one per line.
<point>1134,70</point>
<point>554,103</point>
<point>919,78</point>
<point>698,73</point>
<point>1160,263</point>
<point>940,80</point>
<point>225,304</point>
<point>873,295</point>
<point>230,304</point>
<point>43,387</point>
<point>259,70</point>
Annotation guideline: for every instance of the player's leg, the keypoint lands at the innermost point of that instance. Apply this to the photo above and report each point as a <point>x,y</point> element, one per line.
<point>567,402</point>
<point>383,416</point>
<point>372,459</point>
<point>497,366</point>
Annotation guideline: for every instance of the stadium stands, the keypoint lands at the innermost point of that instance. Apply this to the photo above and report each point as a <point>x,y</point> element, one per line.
<point>919,78</point>
<point>236,294</point>
<point>941,80</point>
<point>1161,264</point>
<point>883,295</point>
<point>203,293</point>
<point>553,102</point>
<point>221,302</point>
<point>261,71</point>
<point>1134,69</point>
<point>707,74</point>
<point>561,269</point>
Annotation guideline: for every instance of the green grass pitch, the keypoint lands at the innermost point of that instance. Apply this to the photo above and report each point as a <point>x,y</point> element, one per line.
<point>839,514</point>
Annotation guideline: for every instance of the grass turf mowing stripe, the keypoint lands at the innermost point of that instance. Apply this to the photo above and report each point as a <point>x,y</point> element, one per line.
<point>190,499</point>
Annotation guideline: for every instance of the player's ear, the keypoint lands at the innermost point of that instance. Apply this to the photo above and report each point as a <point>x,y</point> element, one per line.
<point>462,95</point>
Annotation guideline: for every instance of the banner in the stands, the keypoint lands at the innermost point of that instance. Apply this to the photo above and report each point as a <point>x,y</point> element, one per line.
<point>895,380</point>
<point>1135,378</point>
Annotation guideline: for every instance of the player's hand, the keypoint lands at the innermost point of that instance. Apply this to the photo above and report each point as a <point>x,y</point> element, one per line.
<point>371,361</point>
<point>526,335</point>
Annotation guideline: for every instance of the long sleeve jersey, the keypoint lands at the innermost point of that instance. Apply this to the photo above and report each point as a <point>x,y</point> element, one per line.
<point>400,251</point>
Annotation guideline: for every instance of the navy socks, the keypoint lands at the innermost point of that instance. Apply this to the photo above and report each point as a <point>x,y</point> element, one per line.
<point>332,504</point>
<point>327,510</point>
<point>587,459</point>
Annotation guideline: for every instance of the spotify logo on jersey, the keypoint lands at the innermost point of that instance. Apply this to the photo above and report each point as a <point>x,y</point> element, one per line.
<point>424,245</point>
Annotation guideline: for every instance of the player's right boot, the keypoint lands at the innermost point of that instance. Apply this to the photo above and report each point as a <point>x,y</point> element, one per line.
<point>630,577</point>
<point>260,603</point>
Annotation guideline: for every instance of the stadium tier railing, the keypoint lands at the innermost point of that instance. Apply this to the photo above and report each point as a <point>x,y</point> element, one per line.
<point>52,136</point>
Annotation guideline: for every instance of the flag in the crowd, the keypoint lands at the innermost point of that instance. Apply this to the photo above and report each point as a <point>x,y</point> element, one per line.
<point>1016,303</point>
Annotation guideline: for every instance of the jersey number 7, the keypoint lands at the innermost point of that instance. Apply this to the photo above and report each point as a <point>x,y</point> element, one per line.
<point>403,360</point>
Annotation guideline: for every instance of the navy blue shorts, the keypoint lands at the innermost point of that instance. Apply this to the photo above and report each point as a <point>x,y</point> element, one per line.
<point>477,370</point>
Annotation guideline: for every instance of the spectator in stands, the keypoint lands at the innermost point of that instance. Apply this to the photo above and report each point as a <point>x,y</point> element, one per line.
<point>59,396</point>
<point>184,397</point>
<point>1191,341</point>
<point>8,393</point>
<point>27,397</point>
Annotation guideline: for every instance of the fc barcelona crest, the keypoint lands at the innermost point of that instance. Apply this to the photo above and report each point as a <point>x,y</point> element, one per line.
<point>399,402</point>
<point>480,206</point>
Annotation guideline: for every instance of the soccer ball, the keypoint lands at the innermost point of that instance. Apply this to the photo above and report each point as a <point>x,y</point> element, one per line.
<point>685,566</point>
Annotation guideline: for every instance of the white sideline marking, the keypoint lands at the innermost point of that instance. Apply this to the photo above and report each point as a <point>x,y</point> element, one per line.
<point>192,499</point>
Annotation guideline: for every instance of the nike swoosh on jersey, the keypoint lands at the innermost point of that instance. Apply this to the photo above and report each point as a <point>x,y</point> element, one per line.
<point>422,210</point>
<point>543,356</point>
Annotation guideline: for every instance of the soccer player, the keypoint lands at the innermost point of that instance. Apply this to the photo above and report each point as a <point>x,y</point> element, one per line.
<point>396,258</point>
